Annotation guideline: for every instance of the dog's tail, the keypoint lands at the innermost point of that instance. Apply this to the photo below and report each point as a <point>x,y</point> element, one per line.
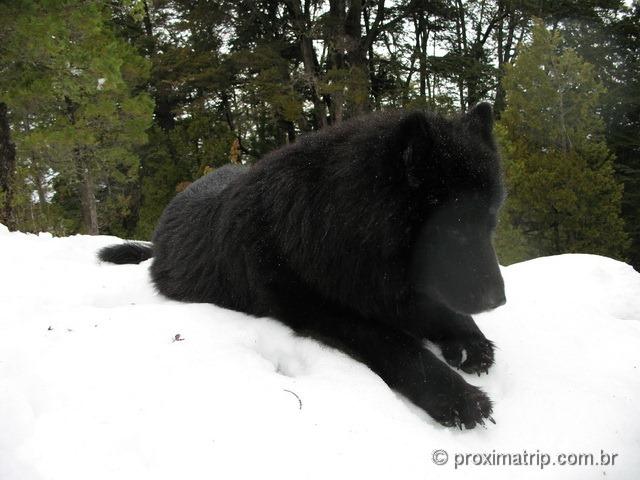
<point>128,252</point>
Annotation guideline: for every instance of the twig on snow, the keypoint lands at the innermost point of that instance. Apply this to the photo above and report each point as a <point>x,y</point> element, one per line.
<point>295,395</point>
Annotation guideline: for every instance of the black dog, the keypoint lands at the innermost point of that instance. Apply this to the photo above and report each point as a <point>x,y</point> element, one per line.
<point>371,235</point>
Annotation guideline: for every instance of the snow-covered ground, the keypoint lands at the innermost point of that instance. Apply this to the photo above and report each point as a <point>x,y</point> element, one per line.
<point>94,384</point>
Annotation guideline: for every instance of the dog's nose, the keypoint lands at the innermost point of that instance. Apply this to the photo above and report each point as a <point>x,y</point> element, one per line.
<point>497,300</point>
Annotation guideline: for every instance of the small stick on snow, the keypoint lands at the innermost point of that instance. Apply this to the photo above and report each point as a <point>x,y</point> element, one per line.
<point>295,395</point>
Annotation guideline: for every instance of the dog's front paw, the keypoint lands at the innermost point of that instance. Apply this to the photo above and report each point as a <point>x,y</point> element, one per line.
<point>470,354</point>
<point>460,405</point>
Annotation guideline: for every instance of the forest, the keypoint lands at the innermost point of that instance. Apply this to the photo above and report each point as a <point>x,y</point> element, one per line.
<point>109,108</point>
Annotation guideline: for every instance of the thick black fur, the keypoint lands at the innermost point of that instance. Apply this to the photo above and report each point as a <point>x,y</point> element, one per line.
<point>371,235</point>
<point>129,252</point>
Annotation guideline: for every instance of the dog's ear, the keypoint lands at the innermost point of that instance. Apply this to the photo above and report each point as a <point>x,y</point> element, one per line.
<point>416,144</point>
<point>480,120</point>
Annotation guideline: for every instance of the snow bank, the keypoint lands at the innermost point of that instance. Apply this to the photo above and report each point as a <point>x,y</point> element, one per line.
<point>94,384</point>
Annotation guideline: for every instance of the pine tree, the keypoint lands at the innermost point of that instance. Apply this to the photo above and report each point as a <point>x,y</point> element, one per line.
<point>7,169</point>
<point>79,114</point>
<point>622,111</point>
<point>563,196</point>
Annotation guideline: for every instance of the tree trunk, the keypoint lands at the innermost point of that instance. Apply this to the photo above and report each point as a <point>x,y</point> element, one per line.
<point>461,47</point>
<point>348,49</point>
<point>7,169</point>
<point>336,56</point>
<point>418,20</point>
<point>163,111</point>
<point>39,183</point>
<point>88,201</point>
<point>301,20</point>
<point>356,48</point>
<point>505,45</point>
<point>87,195</point>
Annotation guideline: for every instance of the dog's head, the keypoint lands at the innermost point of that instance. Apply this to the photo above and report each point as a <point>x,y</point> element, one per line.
<point>454,167</point>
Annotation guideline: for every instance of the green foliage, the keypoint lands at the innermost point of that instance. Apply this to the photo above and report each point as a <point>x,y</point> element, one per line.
<point>563,193</point>
<point>116,106</point>
<point>73,91</point>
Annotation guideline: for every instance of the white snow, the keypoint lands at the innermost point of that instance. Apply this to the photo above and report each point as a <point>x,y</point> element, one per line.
<point>94,384</point>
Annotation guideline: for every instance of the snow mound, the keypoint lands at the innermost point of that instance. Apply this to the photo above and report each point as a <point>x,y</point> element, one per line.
<point>102,378</point>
